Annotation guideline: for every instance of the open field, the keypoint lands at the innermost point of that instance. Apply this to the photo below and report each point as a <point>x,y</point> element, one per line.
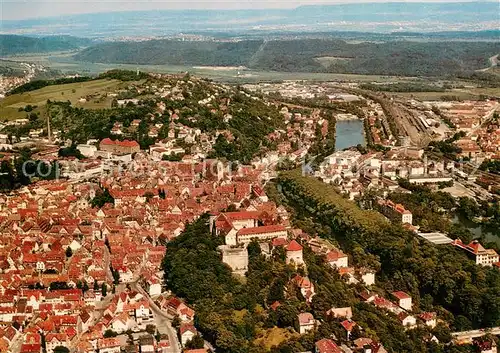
<point>434,96</point>
<point>327,61</point>
<point>9,107</point>
<point>273,337</point>
<point>493,91</point>
<point>12,68</point>
<point>65,63</point>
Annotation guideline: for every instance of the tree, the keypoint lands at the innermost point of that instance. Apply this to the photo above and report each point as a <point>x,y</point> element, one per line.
<point>69,252</point>
<point>253,249</point>
<point>151,329</point>
<point>43,341</point>
<point>462,323</point>
<point>61,349</point>
<point>148,195</point>
<point>58,286</point>
<point>104,289</point>
<point>70,151</point>
<point>116,276</point>
<point>101,198</point>
<point>110,333</point>
<point>7,177</point>
<point>176,322</point>
<point>196,342</point>
<point>468,207</point>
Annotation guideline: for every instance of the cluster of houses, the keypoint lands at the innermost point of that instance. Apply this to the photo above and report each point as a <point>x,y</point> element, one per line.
<point>82,277</point>
<point>467,115</point>
<point>379,129</point>
<point>353,173</point>
<point>401,307</point>
<point>488,139</point>
<point>61,259</point>
<point>300,89</point>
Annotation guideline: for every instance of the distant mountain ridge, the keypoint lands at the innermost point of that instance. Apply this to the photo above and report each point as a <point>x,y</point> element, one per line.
<point>14,44</point>
<point>367,17</point>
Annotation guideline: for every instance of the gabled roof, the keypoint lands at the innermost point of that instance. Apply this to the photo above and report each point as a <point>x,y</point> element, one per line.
<point>327,346</point>
<point>306,318</point>
<point>294,246</point>
<point>187,328</point>
<point>348,325</point>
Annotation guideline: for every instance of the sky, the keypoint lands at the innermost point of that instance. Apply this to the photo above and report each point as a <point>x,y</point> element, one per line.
<point>23,9</point>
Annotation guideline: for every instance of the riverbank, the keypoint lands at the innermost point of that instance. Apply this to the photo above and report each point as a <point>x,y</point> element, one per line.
<point>349,133</point>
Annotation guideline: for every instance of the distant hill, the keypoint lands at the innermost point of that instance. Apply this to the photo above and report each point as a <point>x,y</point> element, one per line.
<point>405,58</point>
<point>14,44</point>
<point>157,52</point>
<point>366,17</point>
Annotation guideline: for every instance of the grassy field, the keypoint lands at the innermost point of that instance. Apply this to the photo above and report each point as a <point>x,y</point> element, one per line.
<point>494,91</point>
<point>273,337</point>
<point>9,107</point>
<point>327,61</point>
<point>65,63</point>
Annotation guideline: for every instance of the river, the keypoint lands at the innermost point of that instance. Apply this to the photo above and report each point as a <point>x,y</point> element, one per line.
<point>491,235</point>
<point>349,133</point>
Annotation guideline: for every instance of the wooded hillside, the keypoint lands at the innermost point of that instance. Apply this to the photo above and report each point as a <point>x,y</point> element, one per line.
<point>305,55</point>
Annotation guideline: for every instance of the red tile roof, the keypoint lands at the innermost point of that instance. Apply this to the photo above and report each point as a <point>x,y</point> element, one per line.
<point>294,246</point>
<point>261,230</point>
<point>306,318</point>
<point>401,295</point>
<point>348,325</point>
<point>327,346</point>
<point>124,143</point>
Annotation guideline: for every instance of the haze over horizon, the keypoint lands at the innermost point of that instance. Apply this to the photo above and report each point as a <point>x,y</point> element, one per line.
<point>34,9</point>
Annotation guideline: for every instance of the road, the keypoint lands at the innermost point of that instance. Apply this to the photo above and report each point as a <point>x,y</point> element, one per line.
<point>493,63</point>
<point>163,321</point>
<point>107,264</point>
<point>467,336</point>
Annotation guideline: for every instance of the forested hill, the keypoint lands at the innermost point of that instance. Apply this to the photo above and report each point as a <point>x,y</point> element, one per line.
<point>158,52</point>
<point>14,44</point>
<point>406,58</point>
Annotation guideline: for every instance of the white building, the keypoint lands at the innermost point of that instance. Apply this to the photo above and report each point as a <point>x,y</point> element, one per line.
<point>187,333</point>
<point>337,259</point>
<point>407,320</point>
<point>294,253</point>
<point>403,300</point>
<point>482,256</point>
<point>429,319</point>
<point>306,323</point>
<point>235,257</point>
<point>367,276</point>
<point>87,150</point>
<point>264,233</point>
